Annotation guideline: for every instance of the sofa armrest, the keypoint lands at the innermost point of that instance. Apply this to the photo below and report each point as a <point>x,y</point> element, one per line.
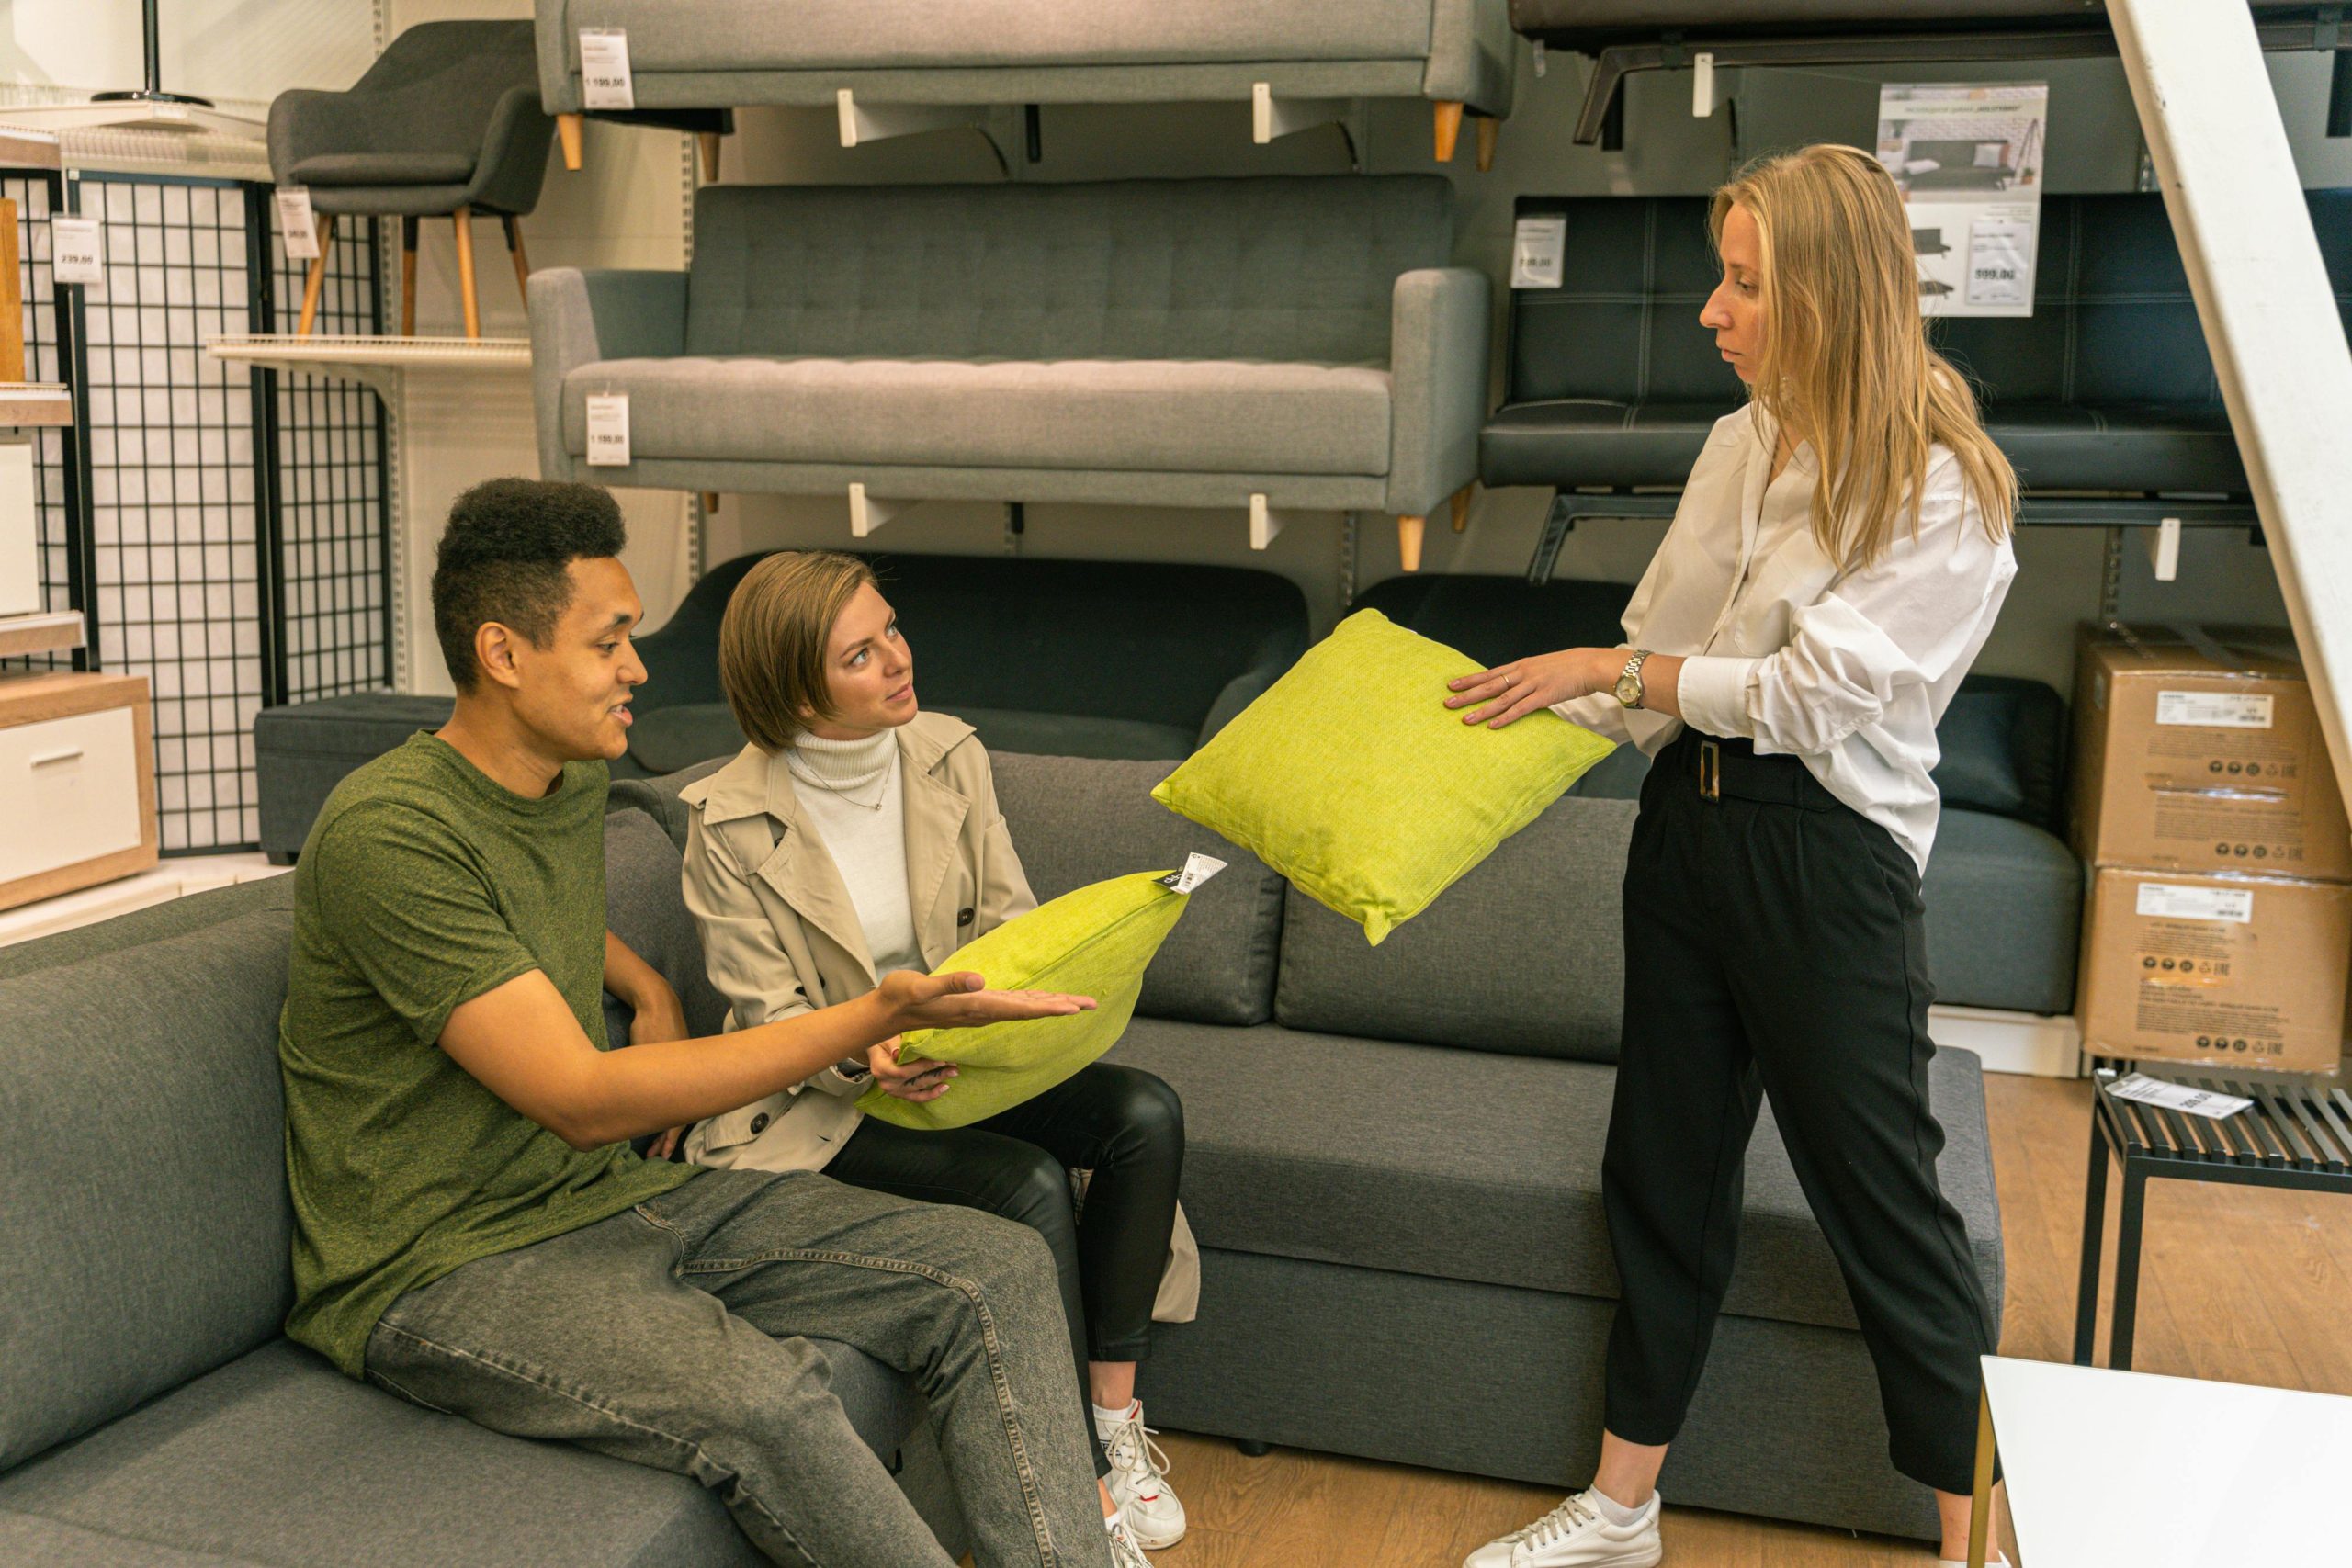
<point>582,317</point>
<point>553,41</point>
<point>304,121</point>
<point>1238,694</point>
<point>513,161</point>
<point>1437,361</point>
<point>1474,55</point>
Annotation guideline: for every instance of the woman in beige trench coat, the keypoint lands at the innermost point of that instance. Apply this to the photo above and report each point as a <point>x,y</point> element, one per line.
<point>857,834</point>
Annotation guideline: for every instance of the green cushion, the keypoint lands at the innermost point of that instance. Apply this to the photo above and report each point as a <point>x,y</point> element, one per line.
<point>1351,778</point>
<point>1094,942</point>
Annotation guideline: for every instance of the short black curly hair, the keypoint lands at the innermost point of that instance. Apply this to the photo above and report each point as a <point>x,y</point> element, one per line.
<point>504,558</point>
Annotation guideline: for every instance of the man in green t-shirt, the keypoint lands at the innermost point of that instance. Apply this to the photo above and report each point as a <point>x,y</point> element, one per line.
<point>472,1230</point>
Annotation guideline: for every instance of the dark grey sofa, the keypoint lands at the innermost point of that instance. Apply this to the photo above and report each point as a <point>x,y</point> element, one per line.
<point>1395,1174</point>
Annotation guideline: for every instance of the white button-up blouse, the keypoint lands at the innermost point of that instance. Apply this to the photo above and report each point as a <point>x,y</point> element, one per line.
<point>1847,671</point>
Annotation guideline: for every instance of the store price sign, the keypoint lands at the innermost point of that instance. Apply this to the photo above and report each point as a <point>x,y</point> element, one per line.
<point>604,79</point>
<point>77,249</point>
<point>2000,262</point>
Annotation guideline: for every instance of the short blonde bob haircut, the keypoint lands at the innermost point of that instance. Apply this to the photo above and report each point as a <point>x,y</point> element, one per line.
<point>1846,362</point>
<point>771,641</point>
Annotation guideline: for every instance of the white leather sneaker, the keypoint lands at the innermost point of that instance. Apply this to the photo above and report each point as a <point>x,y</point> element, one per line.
<point>1577,1534</point>
<point>1124,1552</point>
<point>1138,1482</point>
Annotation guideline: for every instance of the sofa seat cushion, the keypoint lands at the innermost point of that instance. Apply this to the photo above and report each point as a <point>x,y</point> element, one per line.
<point>1594,441</point>
<point>1183,415</point>
<point>2005,912</point>
<point>667,739</point>
<point>385,169</point>
<point>724,35</point>
<point>278,1458</point>
<point>1460,1164</point>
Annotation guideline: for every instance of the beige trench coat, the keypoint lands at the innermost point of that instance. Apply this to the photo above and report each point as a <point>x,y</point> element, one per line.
<point>781,937</point>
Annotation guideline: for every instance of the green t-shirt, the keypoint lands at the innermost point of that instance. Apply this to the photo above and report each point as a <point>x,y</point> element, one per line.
<point>425,884</point>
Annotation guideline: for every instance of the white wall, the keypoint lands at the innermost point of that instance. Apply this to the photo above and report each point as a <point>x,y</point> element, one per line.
<point>242,50</point>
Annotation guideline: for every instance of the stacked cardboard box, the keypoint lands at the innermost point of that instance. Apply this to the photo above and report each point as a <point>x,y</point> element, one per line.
<point>2219,927</point>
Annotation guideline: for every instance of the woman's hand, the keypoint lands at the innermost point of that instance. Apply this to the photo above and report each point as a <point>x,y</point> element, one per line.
<point>957,1001</point>
<point>915,1081</point>
<point>1510,692</point>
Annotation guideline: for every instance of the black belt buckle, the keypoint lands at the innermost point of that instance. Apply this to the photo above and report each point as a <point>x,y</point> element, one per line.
<point>1710,770</point>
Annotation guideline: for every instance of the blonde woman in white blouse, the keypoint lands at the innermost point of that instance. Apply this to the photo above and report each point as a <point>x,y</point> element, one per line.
<point>1837,559</point>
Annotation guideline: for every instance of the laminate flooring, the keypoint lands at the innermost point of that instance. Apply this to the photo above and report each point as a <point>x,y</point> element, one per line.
<point>2238,1283</point>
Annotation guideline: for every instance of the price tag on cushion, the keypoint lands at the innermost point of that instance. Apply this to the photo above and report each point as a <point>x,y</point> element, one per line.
<point>604,80</point>
<point>77,249</point>
<point>297,224</point>
<point>608,429</point>
<point>1095,941</point>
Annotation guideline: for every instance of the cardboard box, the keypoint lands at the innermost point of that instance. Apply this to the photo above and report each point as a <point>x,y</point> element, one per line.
<point>2202,749</point>
<point>2247,970</point>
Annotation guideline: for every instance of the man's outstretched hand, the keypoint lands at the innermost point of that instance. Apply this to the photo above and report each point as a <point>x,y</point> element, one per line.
<point>957,1001</point>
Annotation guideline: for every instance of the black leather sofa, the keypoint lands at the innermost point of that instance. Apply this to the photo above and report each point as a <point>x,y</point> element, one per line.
<point>1611,385</point>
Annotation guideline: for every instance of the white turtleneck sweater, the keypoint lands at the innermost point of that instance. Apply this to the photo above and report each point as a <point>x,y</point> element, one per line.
<point>851,796</point>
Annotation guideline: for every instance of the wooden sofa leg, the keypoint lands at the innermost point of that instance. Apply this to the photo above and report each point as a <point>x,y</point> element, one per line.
<point>1461,507</point>
<point>317,275</point>
<point>710,141</point>
<point>1488,128</point>
<point>710,503</point>
<point>409,227</point>
<point>464,217</point>
<point>522,259</point>
<point>1449,130</point>
<point>1409,540</point>
<point>567,130</point>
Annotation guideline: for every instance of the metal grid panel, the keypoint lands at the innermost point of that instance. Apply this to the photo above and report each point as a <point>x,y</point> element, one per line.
<point>55,452</point>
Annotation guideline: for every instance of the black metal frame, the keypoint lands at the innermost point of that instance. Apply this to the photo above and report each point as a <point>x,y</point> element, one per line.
<point>2294,1135</point>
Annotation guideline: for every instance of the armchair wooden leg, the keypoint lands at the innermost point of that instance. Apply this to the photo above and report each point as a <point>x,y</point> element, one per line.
<point>1409,540</point>
<point>464,217</point>
<point>1488,128</point>
<point>409,227</point>
<point>1449,130</point>
<point>1461,507</point>
<point>317,275</point>
<point>522,260</point>
<point>710,140</point>
<point>567,130</point>
<point>710,503</point>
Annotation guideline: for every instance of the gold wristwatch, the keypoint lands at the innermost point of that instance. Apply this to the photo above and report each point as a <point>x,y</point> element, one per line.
<point>1629,680</point>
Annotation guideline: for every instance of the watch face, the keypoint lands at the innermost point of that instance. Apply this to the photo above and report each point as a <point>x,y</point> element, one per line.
<point>1629,689</point>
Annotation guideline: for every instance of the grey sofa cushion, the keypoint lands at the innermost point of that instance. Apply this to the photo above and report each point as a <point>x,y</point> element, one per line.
<point>1547,897</point>
<point>384,168</point>
<point>1255,269</point>
<point>670,739</point>
<point>2003,913</point>
<point>1217,416</point>
<point>1074,821</point>
<point>647,909</point>
<point>1470,1166</point>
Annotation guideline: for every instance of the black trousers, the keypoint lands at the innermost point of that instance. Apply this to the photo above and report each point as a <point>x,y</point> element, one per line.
<point>1774,949</point>
<point>1124,1125</point>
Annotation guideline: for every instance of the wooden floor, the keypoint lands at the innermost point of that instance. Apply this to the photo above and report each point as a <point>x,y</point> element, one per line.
<point>2239,1283</point>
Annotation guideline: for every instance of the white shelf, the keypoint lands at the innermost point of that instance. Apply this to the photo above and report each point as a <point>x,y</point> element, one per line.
<point>43,632</point>
<point>35,402</point>
<point>375,361</point>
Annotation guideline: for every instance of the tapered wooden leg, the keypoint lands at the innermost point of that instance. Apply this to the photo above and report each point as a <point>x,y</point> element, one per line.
<point>1409,540</point>
<point>710,503</point>
<point>409,227</point>
<point>567,130</point>
<point>1461,507</point>
<point>1489,126</point>
<point>317,275</point>
<point>12,300</point>
<point>709,139</point>
<point>1449,130</point>
<point>522,260</point>
<point>465,220</point>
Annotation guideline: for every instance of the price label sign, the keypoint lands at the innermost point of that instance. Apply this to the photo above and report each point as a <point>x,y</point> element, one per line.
<point>2000,262</point>
<point>77,249</point>
<point>296,225</point>
<point>604,80</point>
<point>608,429</point>
<point>1539,250</point>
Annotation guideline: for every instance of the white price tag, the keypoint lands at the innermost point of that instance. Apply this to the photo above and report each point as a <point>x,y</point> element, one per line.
<point>297,224</point>
<point>2177,1096</point>
<point>2215,710</point>
<point>604,80</point>
<point>2000,262</point>
<point>77,249</point>
<point>608,429</point>
<point>2172,901</point>
<point>1198,868</point>
<point>1539,249</point>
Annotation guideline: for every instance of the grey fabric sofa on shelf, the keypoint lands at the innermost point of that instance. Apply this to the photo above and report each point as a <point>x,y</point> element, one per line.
<point>152,1415</point>
<point>1395,1175</point>
<point>1268,344</point>
<point>730,54</point>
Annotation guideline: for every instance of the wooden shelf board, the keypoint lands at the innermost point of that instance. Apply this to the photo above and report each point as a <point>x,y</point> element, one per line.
<point>35,402</point>
<point>44,632</point>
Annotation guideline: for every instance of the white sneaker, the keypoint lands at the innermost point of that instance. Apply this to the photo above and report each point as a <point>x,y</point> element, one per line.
<point>1124,1552</point>
<point>1138,1481</point>
<point>1577,1534</point>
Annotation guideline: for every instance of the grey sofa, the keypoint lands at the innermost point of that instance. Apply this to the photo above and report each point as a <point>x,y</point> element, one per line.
<point>1151,342</point>
<point>151,1416</point>
<point>728,53</point>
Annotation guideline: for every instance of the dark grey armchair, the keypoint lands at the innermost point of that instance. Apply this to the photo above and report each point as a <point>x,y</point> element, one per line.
<point>446,123</point>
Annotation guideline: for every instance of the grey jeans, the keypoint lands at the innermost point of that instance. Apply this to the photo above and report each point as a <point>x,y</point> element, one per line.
<point>669,1336</point>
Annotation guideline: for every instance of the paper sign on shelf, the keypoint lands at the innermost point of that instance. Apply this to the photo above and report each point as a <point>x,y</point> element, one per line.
<point>2000,263</point>
<point>604,80</point>
<point>297,224</point>
<point>1539,252</point>
<point>2177,1096</point>
<point>608,429</point>
<point>1968,159</point>
<point>77,249</point>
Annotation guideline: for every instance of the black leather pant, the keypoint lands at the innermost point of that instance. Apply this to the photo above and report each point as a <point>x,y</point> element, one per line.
<point>1123,1124</point>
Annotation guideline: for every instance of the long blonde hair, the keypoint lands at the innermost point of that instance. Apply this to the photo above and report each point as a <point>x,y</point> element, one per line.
<point>1846,361</point>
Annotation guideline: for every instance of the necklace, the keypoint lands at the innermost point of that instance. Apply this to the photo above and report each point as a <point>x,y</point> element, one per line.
<point>856,771</point>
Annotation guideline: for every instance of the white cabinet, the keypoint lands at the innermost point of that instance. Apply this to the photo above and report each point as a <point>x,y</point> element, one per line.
<point>78,783</point>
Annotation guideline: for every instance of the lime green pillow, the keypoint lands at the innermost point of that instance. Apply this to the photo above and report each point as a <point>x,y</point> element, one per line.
<point>1095,942</point>
<point>1350,777</point>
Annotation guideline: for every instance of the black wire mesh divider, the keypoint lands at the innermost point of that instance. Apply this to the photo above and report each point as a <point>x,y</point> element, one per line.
<point>60,474</point>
